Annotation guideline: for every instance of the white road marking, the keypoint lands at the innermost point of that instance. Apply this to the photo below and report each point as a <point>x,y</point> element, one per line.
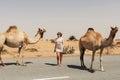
<point>53,78</point>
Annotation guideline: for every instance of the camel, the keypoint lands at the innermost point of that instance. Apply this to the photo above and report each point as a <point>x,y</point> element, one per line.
<point>16,38</point>
<point>93,41</point>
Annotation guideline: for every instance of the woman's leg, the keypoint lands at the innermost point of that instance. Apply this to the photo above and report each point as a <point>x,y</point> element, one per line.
<point>61,58</point>
<point>57,58</point>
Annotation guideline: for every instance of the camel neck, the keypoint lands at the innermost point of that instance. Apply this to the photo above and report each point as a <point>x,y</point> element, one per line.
<point>109,40</point>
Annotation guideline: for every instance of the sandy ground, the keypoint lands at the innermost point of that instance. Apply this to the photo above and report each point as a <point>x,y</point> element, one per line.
<point>46,49</point>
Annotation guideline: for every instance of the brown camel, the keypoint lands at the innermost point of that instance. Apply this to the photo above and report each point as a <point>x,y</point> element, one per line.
<point>93,41</point>
<point>16,38</point>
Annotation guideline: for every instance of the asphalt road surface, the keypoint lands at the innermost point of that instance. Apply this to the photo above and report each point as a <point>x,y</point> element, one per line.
<point>46,69</point>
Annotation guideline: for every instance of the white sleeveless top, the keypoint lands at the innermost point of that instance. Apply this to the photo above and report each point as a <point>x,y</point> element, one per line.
<point>59,44</point>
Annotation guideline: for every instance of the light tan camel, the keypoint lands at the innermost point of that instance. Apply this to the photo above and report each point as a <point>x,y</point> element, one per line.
<point>16,38</point>
<point>93,41</point>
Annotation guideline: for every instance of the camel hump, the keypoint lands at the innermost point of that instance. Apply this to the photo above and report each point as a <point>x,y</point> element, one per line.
<point>90,29</point>
<point>11,28</point>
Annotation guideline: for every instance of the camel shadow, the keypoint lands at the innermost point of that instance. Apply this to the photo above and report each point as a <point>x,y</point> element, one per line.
<point>51,64</point>
<point>81,68</point>
<point>14,63</point>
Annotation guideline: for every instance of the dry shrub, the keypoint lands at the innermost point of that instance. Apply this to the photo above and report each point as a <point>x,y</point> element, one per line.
<point>32,50</point>
<point>68,50</point>
<point>52,41</point>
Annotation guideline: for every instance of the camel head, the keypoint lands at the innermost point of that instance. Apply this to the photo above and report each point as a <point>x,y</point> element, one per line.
<point>40,32</point>
<point>113,31</point>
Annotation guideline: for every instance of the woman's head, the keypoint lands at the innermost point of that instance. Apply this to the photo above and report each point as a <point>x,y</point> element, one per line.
<point>59,34</point>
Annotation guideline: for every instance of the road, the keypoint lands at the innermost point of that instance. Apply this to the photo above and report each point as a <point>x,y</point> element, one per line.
<point>46,69</point>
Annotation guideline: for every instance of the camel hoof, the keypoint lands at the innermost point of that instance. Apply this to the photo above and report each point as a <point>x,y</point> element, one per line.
<point>83,67</point>
<point>3,65</point>
<point>91,70</point>
<point>102,70</point>
<point>18,64</point>
<point>23,65</point>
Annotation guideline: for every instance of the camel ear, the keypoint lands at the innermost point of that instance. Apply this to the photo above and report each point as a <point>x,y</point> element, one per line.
<point>116,27</point>
<point>39,29</point>
<point>112,28</point>
<point>44,29</point>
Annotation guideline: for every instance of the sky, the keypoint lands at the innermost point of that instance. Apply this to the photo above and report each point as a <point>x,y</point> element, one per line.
<point>71,17</point>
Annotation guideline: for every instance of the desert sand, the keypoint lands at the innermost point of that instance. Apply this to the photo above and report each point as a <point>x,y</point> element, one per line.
<point>46,49</point>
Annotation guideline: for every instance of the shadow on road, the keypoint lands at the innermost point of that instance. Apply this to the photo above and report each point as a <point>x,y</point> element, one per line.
<point>7,64</point>
<point>81,68</point>
<point>51,64</point>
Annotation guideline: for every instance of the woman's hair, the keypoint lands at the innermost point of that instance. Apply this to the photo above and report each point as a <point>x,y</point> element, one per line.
<point>59,33</point>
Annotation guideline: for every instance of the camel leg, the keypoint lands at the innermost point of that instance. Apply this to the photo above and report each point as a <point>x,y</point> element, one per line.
<point>22,56</point>
<point>82,52</point>
<point>1,61</point>
<point>1,56</point>
<point>93,55</point>
<point>18,56</point>
<point>101,65</point>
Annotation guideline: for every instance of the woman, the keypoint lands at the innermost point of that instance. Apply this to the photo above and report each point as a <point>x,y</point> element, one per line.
<point>59,48</point>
